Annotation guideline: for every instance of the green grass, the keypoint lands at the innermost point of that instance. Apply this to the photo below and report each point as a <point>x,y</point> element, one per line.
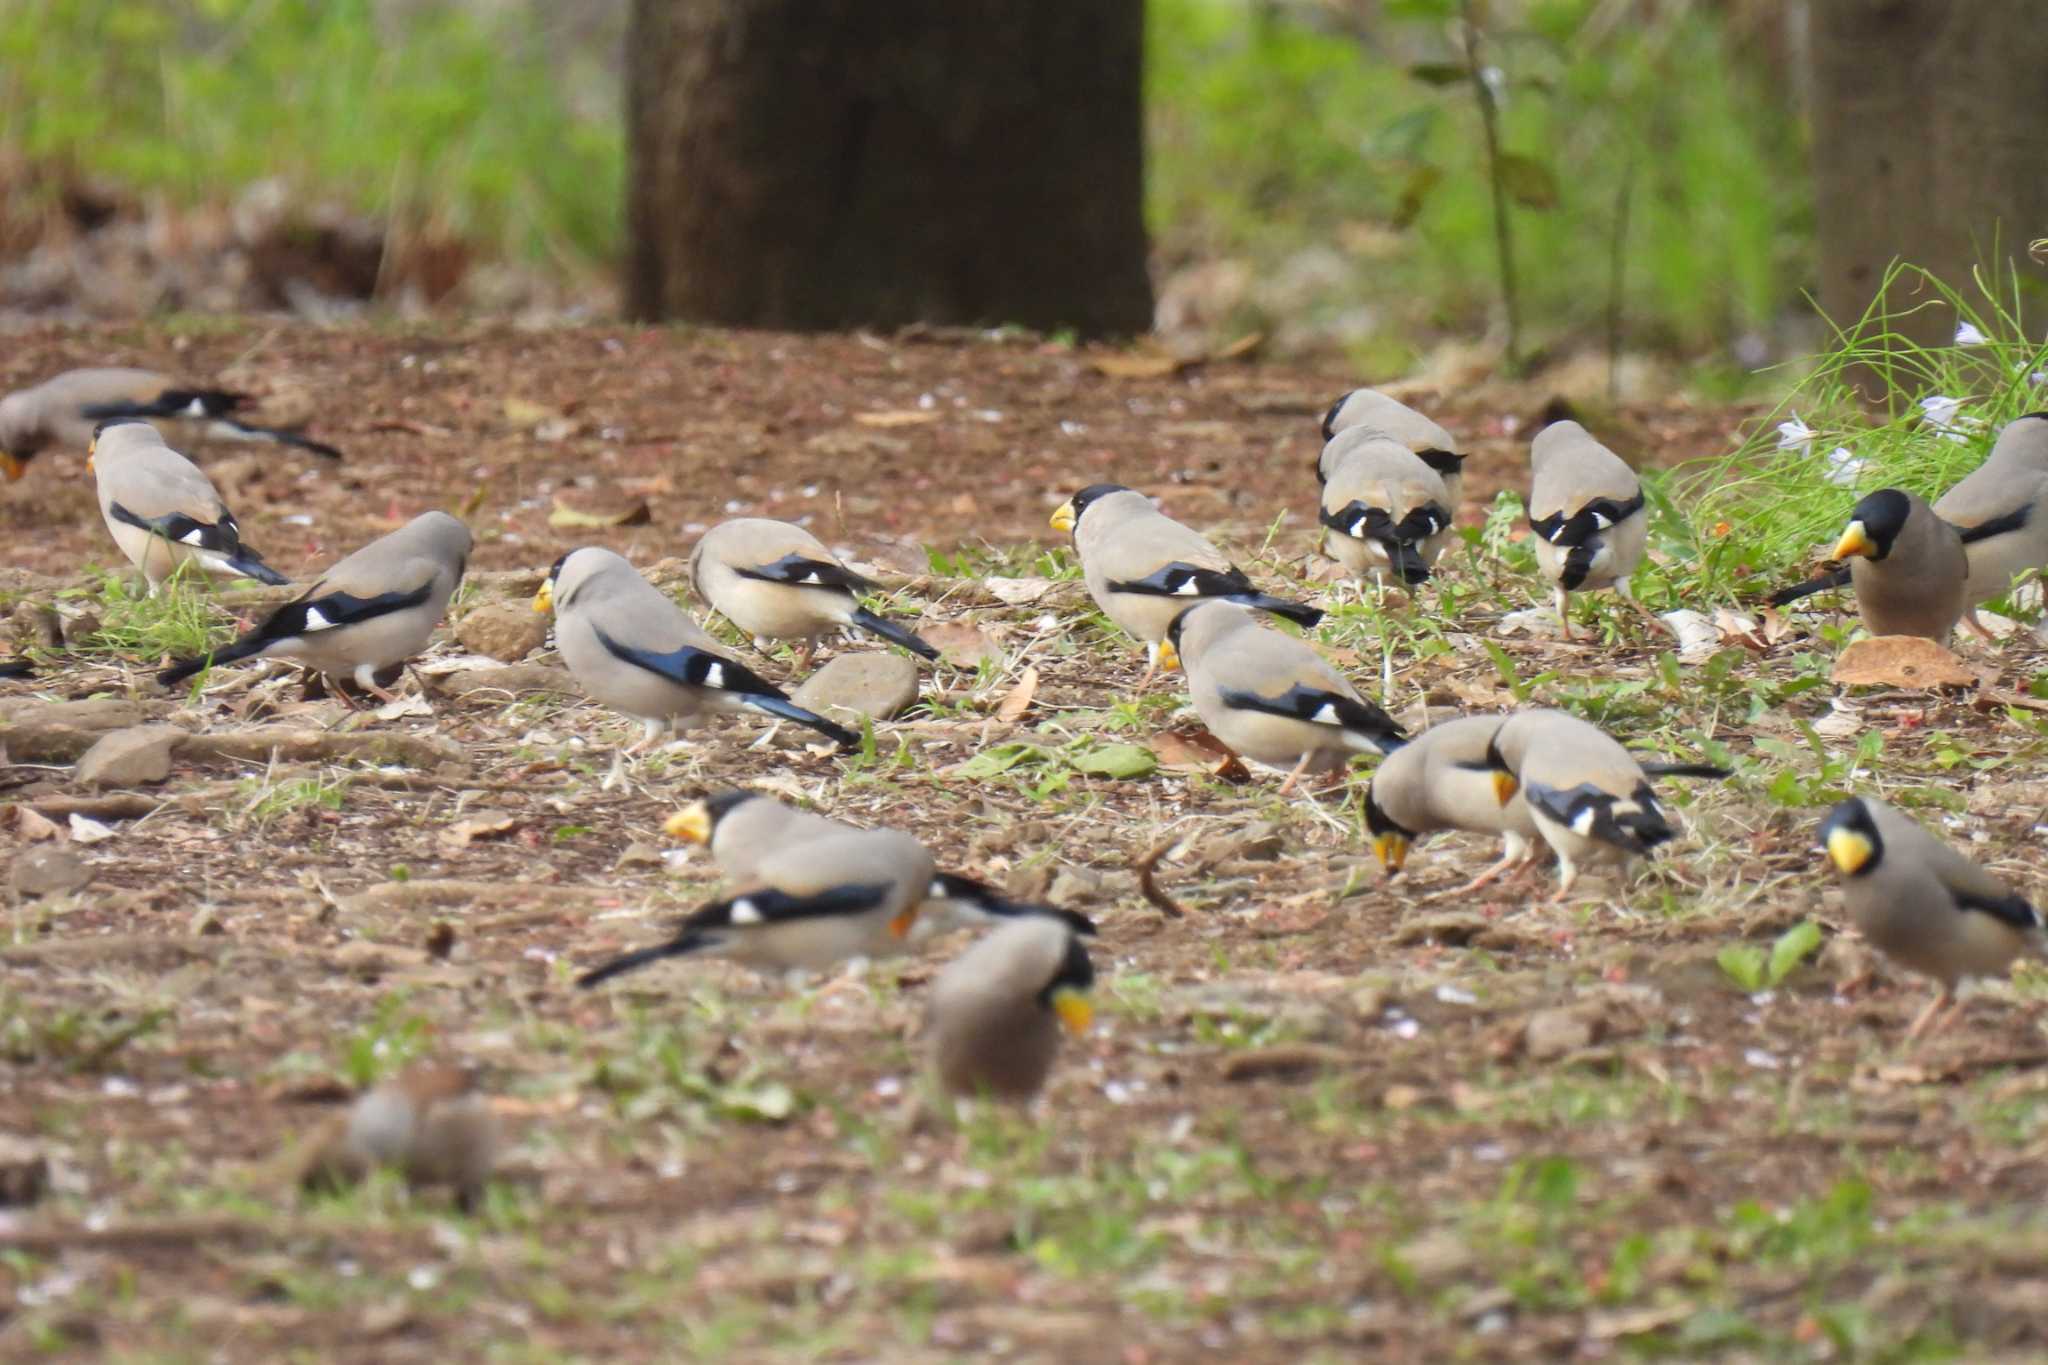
<point>446,118</point>
<point>179,620</point>
<point>1272,129</point>
<point>1760,517</point>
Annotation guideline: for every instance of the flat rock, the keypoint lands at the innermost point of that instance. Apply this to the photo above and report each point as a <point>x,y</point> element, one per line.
<point>49,871</point>
<point>24,1171</point>
<point>1553,1033</point>
<point>506,631</point>
<point>131,757</point>
<point>879,685</point>
<point>58,732</point>
<point>512,680</point>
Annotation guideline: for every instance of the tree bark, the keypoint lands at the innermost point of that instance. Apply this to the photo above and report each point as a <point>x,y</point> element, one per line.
<point>1930,146</point>
<point>824,164</point>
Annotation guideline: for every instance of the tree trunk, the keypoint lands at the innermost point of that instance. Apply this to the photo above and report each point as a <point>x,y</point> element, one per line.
<point>821,164</point>
<point>1930,146</point>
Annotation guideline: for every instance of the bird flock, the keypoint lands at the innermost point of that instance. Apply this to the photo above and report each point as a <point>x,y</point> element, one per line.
<point>807,894</point>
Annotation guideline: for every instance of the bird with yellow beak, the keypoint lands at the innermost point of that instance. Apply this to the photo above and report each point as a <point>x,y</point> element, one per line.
<point>998,1010</point>
<point>1442,780</point>
<point>1143,568</point>
<point>1923,904</point>
<point>1908,566</point>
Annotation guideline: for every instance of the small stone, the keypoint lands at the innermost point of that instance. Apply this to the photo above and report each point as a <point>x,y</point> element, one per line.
<point>1076,886</point>
<point>505,631</point>
<point>1555,1033</point>
<point>35,625</point>
<point>130,757</point>
<point>24,1172</point>
<point>879,685</point>
<point>34,731</point>
<point>50,871</point>
<point>1435,1258</point>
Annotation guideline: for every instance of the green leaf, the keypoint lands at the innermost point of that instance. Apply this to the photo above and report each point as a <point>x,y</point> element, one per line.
<point>1792,948</point>
<point>1744,964</point>
<point>1421,181</point>
<point>1439,73</point>
<point>1002,758</point>
<point>1528,181</point>
<point>1115,760</point>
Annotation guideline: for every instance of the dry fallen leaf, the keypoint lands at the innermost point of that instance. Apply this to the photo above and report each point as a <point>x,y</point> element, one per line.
<point>1736,628</point>
<point>962,643</point>
<point>1017,592</point>
<point>1138,364</point>
<point>1901,661</point>
<point>483,824</point>
<point>1019,700</point>
<point>596,508</point>
<point>1698,637</point>
<point>902,417</point>
<point>524,412</point>
<point>32,826</point>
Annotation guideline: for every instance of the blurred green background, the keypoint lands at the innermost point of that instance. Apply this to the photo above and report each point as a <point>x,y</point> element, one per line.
<point>1316,167</point>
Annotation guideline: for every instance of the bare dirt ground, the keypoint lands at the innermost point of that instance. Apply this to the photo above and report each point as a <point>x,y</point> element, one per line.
<point>1322,1117</point>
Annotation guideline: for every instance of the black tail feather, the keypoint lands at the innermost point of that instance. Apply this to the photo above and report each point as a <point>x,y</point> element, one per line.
<point>17,668</point>
<point>247,647</point>
<point>893,633</point>
<point>1707,770</point>
<point>282,437</point>
<point>789,710</point>
<point>1835,579</point>
<point>249,564</point>
<point>680,946</point>
<point>1300,613</point>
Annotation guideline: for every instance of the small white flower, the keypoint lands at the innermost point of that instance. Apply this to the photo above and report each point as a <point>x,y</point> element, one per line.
<point>1496,84</point>
<point>1795,435</point>
<point>1843,467</point>
<point>1968,335</point>
<point>1939,411</point>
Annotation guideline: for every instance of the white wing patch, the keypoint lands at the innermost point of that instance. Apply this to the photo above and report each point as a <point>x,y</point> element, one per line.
<point>1358,528</point>
<point>1582,823</point>
<point>195,536</point>
<point>1601,521</point>
<point>714,676</point>
<point>196,408</point>
<point>316,621</point>
<point>1188,589</point>
<point>745,911</point>
<point>812,578</point>
<point>1326,715</point>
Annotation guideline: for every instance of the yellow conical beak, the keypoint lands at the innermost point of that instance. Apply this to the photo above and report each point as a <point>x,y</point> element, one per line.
<point>14,466</point>
<point>1063,516</point>
<point>1854,541</point>
<point>1073,1009</point>
<point>544,600</point>
<point>1848,850</point>
<point>1392,851</point>
<point>691,824</point>
<point>1504,786</point>
<point>1169,657</point>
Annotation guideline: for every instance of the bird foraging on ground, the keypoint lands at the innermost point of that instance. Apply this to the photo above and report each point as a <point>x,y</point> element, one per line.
<point>740,828</point>
<point>1371,410</point>
<point>998,1009</point>
<point>808,906</point>
<point>369,613</point>
<point>162,511</point>
<point>1923,904</point>
<point>429,1123</point>
<point>776,581</point>
<point>634,650</point>
<point>1443,780</point>
<point>1589,797</point>
<point>1143,568</point>
<point>1270,697</point>
<point>1586,507</point>
<point>1384,511</point>
<point>66,410</point>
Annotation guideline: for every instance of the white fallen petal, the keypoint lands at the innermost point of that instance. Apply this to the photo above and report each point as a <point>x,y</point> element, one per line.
<point>84,831</point>
<point>1939,411</point>
<point>1968,335</point>
<point>1698,637</point>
